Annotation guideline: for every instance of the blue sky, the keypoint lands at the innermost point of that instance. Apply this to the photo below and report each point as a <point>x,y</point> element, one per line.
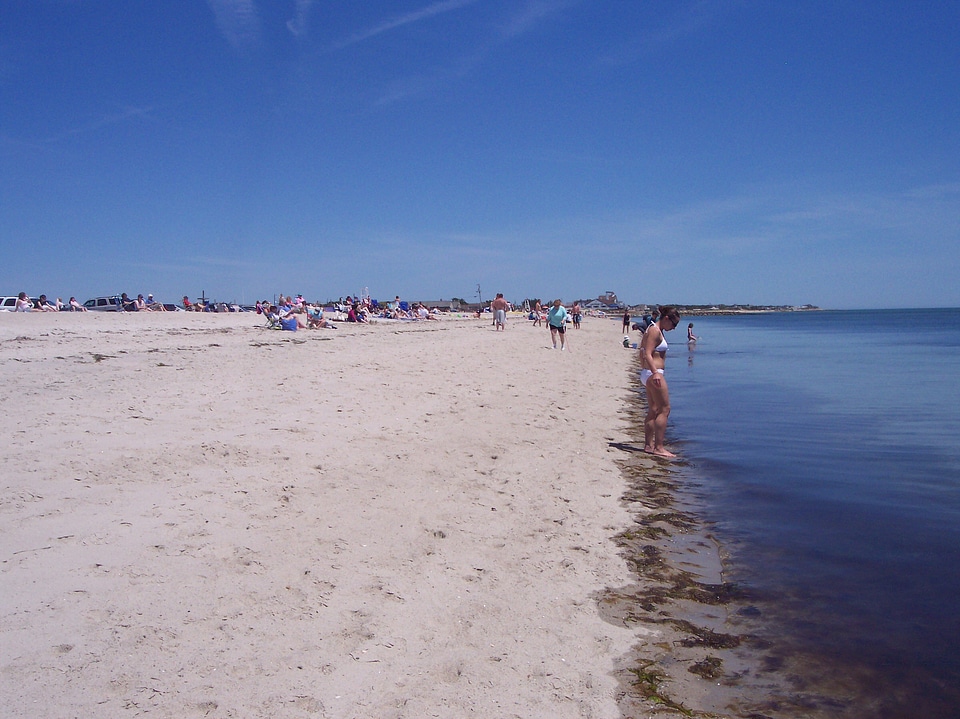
<point>694,152</point>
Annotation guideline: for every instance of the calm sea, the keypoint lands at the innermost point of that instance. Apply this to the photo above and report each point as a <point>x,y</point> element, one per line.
<point>824,450</point>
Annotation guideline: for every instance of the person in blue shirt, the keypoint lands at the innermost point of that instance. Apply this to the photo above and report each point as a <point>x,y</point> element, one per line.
<point>556,319</point>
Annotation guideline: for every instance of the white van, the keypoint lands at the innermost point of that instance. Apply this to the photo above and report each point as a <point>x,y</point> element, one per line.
<point>103,304</point>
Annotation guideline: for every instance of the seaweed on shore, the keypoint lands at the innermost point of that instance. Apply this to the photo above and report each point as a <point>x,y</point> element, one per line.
<point>667,594</point>
<point>703,637</point>
<point>708,668</point>
<point>648,683</point>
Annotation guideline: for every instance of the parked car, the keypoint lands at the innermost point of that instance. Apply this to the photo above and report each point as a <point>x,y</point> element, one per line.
<point>9,304</point>
<point>103,304</point>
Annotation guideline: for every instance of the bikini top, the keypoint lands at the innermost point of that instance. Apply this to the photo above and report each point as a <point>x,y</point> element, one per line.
<point>662,347</point>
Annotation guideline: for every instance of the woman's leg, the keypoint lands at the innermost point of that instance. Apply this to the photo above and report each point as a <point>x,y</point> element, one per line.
<point>553,335</point>
<point>658,411</point>
<point>649,431</point>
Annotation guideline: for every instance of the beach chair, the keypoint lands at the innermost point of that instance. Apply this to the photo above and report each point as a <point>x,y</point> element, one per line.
<point>273,321</point>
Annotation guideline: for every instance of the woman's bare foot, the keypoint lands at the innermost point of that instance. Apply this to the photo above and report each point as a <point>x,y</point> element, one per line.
<point>660,453</point>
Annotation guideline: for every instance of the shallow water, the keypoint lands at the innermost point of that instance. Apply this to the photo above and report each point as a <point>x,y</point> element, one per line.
<point>824,448</point>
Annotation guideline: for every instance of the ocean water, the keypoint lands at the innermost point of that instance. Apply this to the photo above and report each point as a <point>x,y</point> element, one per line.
<point>824,450</point>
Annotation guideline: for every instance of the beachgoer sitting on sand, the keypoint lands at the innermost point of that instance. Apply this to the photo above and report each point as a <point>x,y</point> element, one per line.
<point>126,304</point>
<point>290,321</point>
<point>187,304</point>
<point>273,316</point>
<point>76,306</point>
<point>316,320</point>
<point>23,303</point>
<point>356,314</point>
<point>43,304</point>
<point>424,314</point>
<point>295,305</point>
<point>154,306</point>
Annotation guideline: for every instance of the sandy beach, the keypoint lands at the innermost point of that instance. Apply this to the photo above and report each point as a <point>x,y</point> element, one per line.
<point>203,518</point>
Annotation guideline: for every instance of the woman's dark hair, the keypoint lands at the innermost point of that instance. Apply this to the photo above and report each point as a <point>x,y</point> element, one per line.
<point>669,311</point>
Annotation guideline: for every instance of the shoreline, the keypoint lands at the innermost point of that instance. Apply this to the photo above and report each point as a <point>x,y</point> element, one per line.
<point>744,643</point>
<point>204,518</point>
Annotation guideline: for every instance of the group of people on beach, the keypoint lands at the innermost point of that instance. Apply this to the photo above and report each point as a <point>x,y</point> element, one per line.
<point>556,317</point>
<point>364,309</point>
<point>292,313</point>
<point>141,304</point>
<point>123,302</point>
<point>42,304</point>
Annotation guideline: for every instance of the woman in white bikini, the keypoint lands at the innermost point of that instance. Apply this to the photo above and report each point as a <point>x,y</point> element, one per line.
<point>653,353</point>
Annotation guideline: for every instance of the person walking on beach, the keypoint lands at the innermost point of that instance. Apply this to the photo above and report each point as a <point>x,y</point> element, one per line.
<point>556,320</point>
<point>577,315</point>
<point>653,358</point>
<point>626,322</point>
<point>500,307</point>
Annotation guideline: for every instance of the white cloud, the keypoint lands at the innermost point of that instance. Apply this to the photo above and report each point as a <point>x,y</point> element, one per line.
<point>126,113</point>
<point>237,21</point>
<point>532,14</point>
<point>522,21</point>
<point>436,8</point>
<point>298,24</point>
<point>688,21</point>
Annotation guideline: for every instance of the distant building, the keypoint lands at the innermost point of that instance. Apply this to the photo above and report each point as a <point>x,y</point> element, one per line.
<point>609,298</point>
